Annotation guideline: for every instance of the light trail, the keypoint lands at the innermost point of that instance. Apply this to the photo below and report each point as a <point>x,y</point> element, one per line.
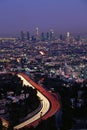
<point>49,105</point>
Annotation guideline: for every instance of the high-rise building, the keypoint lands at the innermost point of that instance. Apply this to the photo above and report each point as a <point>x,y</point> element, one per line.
<point>37,31</point>
<point>68,34</point>
<point>43,36</point>
<point>47,36</point>
<point>52,37</point>
<point>68,37</point>
<point>22,35</point>
<point>37,34</point>
<point>28,35</point>
<point>25,35</point>
<point>33,38</point>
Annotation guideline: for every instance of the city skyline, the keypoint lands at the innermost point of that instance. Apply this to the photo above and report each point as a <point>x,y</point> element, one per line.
<point>60,15</point>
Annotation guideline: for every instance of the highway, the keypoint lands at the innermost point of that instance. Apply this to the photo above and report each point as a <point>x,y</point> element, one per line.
<point>49,104</point>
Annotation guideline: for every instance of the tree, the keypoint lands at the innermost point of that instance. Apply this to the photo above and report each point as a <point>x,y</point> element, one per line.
<point>1,125</point>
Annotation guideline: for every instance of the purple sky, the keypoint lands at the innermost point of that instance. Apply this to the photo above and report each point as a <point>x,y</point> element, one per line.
<point>60,15</point>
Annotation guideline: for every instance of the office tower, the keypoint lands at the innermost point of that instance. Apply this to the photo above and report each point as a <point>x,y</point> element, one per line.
<point>68,37</point>
<point>47,36</point>
<point>37,34</point>
<point>22,35</point>
<point>33,38</point>
<point>37,31</point>
<point>42,36</point>
<point>68,34</point>
<point>52,37</point>
<point>28,35</point>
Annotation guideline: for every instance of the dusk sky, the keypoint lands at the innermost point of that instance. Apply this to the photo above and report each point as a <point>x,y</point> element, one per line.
<point>59,15</point>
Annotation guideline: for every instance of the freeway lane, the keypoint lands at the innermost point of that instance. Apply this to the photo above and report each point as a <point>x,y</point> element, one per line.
<point>49,104</point>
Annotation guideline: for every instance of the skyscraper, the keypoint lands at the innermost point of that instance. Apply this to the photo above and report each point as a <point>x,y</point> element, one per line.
<point>22,36</point>
<point>37,34</point>
<point>52,37</point>
<point>37,31</point>
<point>68,37</point>
<point>28,35</point>
<point>68,34</point>
<point>43,36</point>
<point>47,36</point>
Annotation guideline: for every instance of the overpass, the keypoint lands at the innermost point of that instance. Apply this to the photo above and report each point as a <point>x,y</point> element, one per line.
<point>50,104</point>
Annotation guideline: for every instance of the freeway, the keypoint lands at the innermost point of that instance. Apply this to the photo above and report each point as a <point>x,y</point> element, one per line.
<point>50,105</point>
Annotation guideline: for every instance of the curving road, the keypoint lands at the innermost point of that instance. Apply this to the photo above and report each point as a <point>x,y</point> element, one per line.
<point>50,105</point>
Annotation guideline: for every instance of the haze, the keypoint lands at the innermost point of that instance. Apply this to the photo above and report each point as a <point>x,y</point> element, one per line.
<point>60,15</point>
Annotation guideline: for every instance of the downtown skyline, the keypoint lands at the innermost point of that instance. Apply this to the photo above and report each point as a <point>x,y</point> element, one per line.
<point>60,15</point>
